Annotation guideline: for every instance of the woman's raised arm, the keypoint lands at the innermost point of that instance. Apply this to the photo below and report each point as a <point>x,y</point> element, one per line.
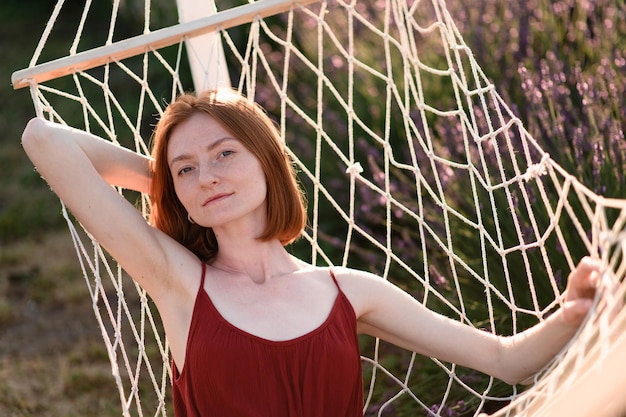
<point>80,168</point>
<point>117,165</point>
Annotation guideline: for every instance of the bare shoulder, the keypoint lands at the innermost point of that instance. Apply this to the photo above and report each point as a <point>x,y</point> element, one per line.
<point>363,289</point>
<point>349,276</point>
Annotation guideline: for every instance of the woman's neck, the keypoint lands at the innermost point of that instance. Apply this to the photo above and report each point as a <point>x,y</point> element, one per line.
<point>260,261</point>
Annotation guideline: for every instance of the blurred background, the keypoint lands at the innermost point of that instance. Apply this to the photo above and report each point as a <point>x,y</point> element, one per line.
<point>560,65</point>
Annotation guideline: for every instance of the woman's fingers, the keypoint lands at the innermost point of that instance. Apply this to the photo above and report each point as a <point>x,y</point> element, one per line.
<point>583,280</point>
<point>574,312</point>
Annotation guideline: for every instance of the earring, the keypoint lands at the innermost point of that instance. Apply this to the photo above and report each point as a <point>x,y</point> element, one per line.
<point>190,219</point>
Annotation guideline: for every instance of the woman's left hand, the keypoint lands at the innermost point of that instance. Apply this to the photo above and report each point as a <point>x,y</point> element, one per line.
<point>581,289</point>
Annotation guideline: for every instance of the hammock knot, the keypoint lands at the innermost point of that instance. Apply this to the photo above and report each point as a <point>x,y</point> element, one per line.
<point>537,170</point>
<point>610,238</point>
<point>354,169</point>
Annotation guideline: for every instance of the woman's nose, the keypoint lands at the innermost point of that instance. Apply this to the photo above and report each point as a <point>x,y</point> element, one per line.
<point>207,176</point>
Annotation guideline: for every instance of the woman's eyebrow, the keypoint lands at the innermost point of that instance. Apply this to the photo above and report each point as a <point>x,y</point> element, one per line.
<point>210,147</point>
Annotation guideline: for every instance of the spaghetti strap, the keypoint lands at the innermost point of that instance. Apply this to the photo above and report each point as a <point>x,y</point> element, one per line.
<point>203,274</point>
<point>332,274</point>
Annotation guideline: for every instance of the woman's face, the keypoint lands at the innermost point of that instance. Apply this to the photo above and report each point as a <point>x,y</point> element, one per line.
<point>217,179</point>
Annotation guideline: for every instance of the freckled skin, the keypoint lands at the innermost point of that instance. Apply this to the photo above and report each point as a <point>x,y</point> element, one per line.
<point>214,163</point>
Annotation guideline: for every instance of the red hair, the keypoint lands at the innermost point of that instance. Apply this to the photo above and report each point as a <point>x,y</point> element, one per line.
<point>249,123</point>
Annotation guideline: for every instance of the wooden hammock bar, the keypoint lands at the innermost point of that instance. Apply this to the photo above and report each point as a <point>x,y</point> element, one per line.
<point>161,38</point>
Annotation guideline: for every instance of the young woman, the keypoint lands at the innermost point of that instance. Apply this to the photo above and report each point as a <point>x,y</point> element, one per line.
<point>254,331</point>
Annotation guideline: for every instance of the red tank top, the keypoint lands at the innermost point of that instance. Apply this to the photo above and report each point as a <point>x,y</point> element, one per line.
<point>231,373</point>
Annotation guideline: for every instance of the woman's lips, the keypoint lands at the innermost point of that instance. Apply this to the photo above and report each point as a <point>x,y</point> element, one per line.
<point>215,197</point>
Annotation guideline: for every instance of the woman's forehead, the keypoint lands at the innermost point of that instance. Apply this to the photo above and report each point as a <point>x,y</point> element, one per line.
<point>194,135</point>
<point>197,128</point>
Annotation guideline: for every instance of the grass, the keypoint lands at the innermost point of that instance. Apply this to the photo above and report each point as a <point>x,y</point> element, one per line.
<point>29,387</point>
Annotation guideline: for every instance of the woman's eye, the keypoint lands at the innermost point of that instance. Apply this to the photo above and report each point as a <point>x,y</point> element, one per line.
<point>184,170</point>
<point>226,153</point>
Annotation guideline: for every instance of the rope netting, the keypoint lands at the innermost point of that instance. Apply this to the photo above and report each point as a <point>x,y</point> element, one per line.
<point>415,169</point>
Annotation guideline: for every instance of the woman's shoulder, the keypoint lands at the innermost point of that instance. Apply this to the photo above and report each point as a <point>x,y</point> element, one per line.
<point>360,287</point>
<point>341,273</point>
<point>355,283</point>
<point>351,276</point>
